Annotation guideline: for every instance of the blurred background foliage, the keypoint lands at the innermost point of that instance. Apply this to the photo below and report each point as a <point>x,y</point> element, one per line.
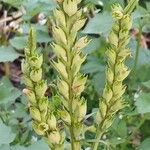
<point>130,130</point>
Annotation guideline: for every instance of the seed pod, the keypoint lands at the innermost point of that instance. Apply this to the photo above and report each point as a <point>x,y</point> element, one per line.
<point>41,88</point>
<point>113,38</point>
<point>81,43</point>
<point>52,122</point>
<point>79,84</point>
<point>59,35</point>
<point>110,75</point>
<point>65,116</point>
<point>82,108</point>
<point>103,108</point>
<point>61,68</point>
<point>37,129</point>
<point>54,137</point>
<point>43,104</point>
<point>25,67</point>
<point>70,7</point>
<point>36,75</point>
<point>107,93</point>
<point>35,114</point>
<point>78,25</point>
<point>27,81</point>
<point>63,88</point>
<point>36,61</point>
<point>30,95</point>
<point>60,52</point>
<point>60,17</point>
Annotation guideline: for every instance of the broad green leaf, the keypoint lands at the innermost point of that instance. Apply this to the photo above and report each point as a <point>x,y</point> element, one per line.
<point>93,65</point>
<point>19,42</point>
<point>8,93</point>
<point>15,3</point>
<point>5,147</point>
<point>100,24</point>
<point>145,145</point>
<point>146,84</point>
<point>6,134</point>
<point>8,54</point>
<point>35,7</point>
<point>143,103</point>
<point>39,145</point>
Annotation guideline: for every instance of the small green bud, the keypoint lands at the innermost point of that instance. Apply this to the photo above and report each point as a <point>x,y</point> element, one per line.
<point>117,11</point>
<point>123,54</point>
<point>122,74</point>
<point>54,137</point>
<point>120,93</point>
<point>41,88</point>
<point>36,75</point>
<point>113,38</point>
<point>36,61</point>
<point>76,63</point>
<point>30,95</point>
<point>43,126</point>
<point>61,68</point>
<point>103,108</point>
<point>115,28</point>
<point>81,43</point>
<point>82,108</point>
<point>63,88</point>
<point>52,122</point>
<point>111,54</point>
<point>78,25</point>
<point>110,75</point>
<point>37,130</point>
<point>117,87</point>
<point>126,22</point>
<point>107,93</point>
<point>79,84</point>
<point>65,116</point>
<point>25,67</point>
<point>43,103</point>
<point>27,81</point>
<point>35,114</point>
<point>60,17</point>
<point>118,105</point>
<point>59,35</point>
<point>60,52</point>
<point>70,7</point>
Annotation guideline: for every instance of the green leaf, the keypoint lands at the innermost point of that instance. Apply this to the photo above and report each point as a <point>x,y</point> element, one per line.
<point>5,147</point>
<point>39,145</point>
<point>35,7</point>
<point>143,103</point>
<point>8,93</point>
<point>145,145</point>
<point>15,3</point>
<point>100,24</point>
<point>19,42</point>
<point>146,84</point>
<point>8,54</point>
<point>6,134</point>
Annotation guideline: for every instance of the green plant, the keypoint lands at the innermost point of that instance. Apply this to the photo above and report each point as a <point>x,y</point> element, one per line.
<point>44,121</point>
<point>112,101</point>
<point>67,46</point>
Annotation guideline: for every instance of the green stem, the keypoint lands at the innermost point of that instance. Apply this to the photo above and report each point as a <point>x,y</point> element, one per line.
<point>7,69</point>
<point>97,137</point>
<point>137,48</point>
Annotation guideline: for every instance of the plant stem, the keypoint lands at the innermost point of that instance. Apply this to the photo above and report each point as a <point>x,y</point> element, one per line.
<point>7,69</point>
<point>98,137</point>
<point>137,48</point>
